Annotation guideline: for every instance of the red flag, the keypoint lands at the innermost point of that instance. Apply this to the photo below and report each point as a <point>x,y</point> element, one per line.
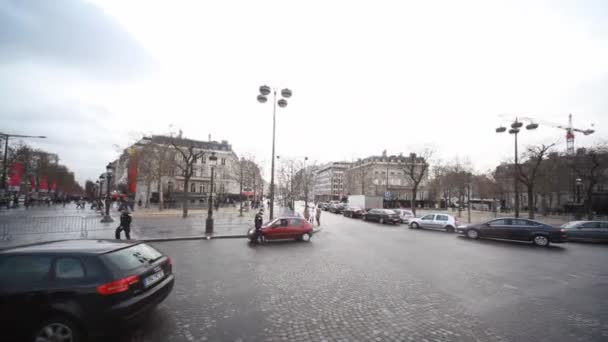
<point>44,184</point>
<point>54,186</point>
<point>132,174</point>
<point>16,174</point>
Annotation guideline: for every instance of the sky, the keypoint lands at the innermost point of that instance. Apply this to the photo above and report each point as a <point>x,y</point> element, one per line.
<point>366,76</point>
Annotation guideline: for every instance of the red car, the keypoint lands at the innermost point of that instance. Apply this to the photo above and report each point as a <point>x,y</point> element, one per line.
<point>286,228</point>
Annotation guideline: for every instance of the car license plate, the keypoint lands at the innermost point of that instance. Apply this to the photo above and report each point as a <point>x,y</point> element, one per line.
<point>154,278</point>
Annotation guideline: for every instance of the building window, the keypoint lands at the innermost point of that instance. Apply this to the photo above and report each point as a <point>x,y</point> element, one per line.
<point>200,189</point>
<point>223,161</point>
<point>222,188</point>
<point>192,187</point>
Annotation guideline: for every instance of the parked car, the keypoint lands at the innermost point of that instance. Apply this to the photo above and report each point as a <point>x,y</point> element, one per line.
<point>516,229</point>
<point>404,215</point>
<point>337,208</point>
<point>382,216</point>
<point>323,205</point>
<point>353,212</point>
<point>435,221</point>
<point>71,290</point>
<point>592,231</point>
<point>284,228</point>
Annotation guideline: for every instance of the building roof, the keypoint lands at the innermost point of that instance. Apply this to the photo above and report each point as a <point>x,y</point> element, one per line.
<point>206,145</point>
<point>79,246</point>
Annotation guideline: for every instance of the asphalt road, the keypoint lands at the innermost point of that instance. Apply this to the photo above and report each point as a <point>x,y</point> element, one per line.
<point>360,281</point>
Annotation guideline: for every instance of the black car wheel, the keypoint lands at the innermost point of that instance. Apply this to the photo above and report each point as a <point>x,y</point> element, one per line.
<point>414,225</point>
<point>58,329</point>
<point>540,240</point>
<point>305,237</point>
<point>472,234</point>
<point>449,229</point>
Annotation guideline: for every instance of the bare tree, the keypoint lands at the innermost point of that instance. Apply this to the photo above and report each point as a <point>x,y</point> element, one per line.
<point>530,170</point>
<point>186,158</point>
<point>415,168</point>
<point>591,167</point>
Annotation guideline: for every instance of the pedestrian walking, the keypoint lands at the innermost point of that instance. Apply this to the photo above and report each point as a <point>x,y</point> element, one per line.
<point>318,215</point>
<point>307,213</point>
<point>258,221</point>
<point>125,225</point>
<point>311,214</point>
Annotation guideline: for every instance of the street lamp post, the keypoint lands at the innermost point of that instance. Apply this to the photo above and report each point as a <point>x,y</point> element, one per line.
<point>579,184</point>
<point>241,189</point>
<point>102,177</point>
<point>109,171</point>
<point>209,222</point>
<point>515,129</point>
<point>305,176</point>
<point>6,136</point>
<point>285,94</point>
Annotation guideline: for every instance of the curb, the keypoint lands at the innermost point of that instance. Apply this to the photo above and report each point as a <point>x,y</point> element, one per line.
<point>195,237</point>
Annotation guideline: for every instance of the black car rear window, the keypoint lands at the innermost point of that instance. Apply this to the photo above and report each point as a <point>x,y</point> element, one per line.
<point>132,257</point>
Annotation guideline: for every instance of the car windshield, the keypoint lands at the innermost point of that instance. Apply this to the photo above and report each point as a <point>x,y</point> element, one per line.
<point>315,170</point>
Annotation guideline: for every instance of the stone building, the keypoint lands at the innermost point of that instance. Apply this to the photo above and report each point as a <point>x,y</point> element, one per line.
<point>328,182</point>
<point>384,176</point>
<point>159,148</point>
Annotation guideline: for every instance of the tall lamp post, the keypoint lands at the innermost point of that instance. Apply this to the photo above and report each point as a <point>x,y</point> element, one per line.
<point>241,188</point>
<point>305,176</point>
<point>285,94</point>
<point>109,171</point>
<point>6,136</point>
<point>102,177</point>
<point>515,129</point>
<point>209,222</point>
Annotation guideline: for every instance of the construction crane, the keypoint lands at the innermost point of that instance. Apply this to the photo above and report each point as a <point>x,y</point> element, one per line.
<point>569,128</point>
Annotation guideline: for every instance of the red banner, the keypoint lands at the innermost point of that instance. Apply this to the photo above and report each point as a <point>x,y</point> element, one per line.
<point>132,174</point>
<point>54,187</point>
<point>32,183</point>
<point>15,177</point>
<point>44,185</point>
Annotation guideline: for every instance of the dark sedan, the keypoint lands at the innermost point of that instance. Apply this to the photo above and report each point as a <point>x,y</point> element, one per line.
<point>353,212</point>
<point>591,231</point>
<point>73,289</point>
<point>337,208</point>
<point>515,229</point>
<point>382,216</point>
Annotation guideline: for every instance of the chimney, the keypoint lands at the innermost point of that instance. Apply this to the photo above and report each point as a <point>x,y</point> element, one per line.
<point>209,137</point>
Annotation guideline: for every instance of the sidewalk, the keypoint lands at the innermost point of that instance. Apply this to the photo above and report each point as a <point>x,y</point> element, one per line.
<point>20,226</point>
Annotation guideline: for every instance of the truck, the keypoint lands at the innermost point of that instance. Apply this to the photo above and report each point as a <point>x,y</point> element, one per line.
<point>365,202</point>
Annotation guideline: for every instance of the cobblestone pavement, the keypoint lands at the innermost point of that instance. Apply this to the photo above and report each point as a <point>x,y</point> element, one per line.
<point>360,281</point>
<point>41,223</point>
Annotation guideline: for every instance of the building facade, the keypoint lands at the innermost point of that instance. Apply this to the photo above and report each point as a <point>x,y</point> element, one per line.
<point>158,172</point>
<point>328,182</point>
<point>385,176</point>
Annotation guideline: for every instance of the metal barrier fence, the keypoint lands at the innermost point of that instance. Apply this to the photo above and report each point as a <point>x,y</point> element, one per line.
<point>18,227</point>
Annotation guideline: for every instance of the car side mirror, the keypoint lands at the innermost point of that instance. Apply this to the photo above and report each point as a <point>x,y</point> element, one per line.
<point>485,225</point>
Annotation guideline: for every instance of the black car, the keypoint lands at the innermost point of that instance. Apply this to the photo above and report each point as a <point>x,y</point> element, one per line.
<point>336,208</point>
<point>382,216</point>
<point>71,290</point>
<point>515,229</point>
<point>591,231</point>
<point>354,212</point>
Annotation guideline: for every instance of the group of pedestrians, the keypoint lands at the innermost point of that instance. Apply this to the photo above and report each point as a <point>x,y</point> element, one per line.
<point>311,213</point>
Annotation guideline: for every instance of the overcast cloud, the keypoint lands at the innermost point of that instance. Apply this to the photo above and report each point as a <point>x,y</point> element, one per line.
<point>366,75</point>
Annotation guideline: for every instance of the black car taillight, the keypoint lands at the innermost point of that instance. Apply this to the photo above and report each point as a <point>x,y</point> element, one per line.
<point>117,286</point>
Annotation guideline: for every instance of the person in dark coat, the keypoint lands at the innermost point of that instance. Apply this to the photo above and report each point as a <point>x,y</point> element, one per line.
<point>258,221</point>
<point>125,225</point>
